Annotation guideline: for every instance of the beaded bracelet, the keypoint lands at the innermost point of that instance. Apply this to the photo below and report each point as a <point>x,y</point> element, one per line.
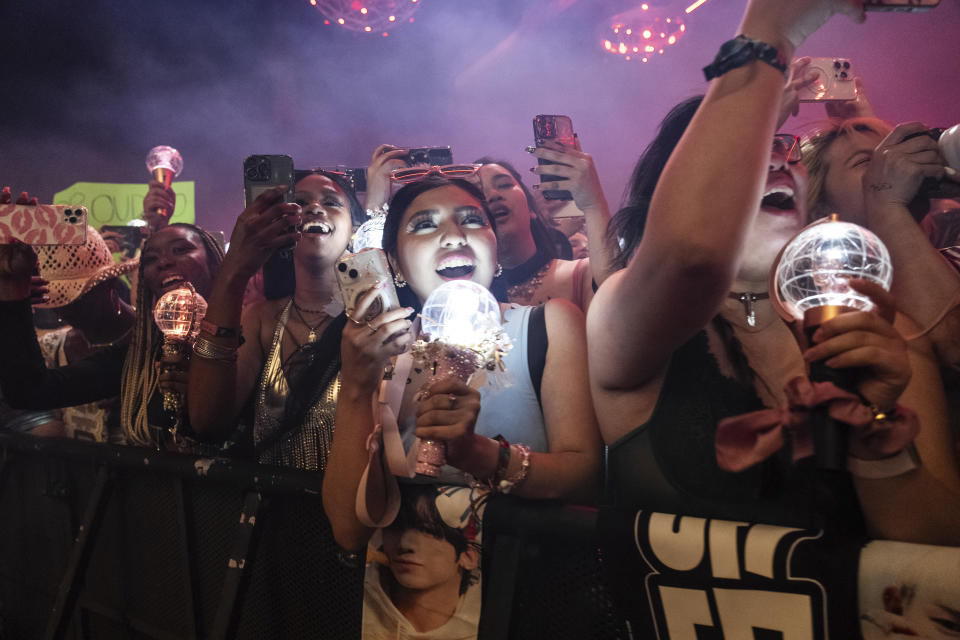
<point>507,485</point>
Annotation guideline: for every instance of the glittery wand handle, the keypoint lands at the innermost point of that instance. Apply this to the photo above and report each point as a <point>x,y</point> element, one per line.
<point>453,362</point>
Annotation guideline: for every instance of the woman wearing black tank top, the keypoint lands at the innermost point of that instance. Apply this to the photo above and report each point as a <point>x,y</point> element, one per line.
<point>684,335</point>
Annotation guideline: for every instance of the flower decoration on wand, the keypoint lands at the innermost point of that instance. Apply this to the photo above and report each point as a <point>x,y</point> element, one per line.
<point>809,283</point>
<point>461,334</point>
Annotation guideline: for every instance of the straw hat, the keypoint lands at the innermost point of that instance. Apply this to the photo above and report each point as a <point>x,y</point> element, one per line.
<point>75,269</point>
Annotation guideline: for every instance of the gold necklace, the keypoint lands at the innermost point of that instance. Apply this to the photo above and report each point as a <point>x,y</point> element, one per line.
<point>312,336</point>
<point>524,291</point>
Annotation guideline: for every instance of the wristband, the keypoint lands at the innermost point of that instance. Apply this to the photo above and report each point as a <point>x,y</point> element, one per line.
<point>217,331</point>
<point>503,459</point>
<point>897,465</point>
<point>741,51</point>
<point>203,348</point>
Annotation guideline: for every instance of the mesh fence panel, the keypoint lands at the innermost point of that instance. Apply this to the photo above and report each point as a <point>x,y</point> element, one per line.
<point>298,588</point>
<point>560,594</point>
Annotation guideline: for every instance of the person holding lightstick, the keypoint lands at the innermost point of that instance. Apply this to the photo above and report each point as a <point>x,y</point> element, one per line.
<point>437,230</point>
<point>685,336</point>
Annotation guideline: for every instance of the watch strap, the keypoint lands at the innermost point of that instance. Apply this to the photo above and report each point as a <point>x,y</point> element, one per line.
<point>741,51</point>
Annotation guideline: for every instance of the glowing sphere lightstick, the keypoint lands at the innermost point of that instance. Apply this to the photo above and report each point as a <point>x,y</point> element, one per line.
<point>461,333</point>
<point>164,164</point>
<point>178,314</point>
<point>810,284</point>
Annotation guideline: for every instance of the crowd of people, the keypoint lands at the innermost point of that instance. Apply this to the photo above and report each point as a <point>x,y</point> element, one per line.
<point>664,331</point>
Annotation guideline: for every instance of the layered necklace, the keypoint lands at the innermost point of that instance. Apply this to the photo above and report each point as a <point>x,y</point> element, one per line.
<point>523,280</point>
<point>314,330</point>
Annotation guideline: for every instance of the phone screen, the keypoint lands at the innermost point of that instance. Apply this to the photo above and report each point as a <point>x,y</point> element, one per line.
<point>559,129</point>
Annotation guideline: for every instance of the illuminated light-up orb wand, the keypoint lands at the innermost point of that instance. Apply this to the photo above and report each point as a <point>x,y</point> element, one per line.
<point>460,333</point>
<point>810,284</point>
<point>178,314</point>
<point>641,33</point>
<point>367,16</point>
<point>164,164</point>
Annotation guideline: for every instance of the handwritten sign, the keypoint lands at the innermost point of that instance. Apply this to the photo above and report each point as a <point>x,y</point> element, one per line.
<point>117,203</point>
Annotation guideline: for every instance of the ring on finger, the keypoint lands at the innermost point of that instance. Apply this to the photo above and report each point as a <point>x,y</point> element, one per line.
<point>372,328</point>
<point>453,400</point>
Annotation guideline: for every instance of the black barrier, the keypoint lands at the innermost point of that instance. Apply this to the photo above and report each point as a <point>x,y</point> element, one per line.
<point>101,541</point>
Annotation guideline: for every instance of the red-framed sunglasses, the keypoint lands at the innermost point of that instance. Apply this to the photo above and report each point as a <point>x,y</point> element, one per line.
<point>413,174</point>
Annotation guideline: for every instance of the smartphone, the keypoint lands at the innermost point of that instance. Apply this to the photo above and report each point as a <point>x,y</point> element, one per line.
<point>558,129</point>
<point>357,273</point>
<point>129,238</point>
<point>834,81</point>
<point>264,172</point>
<point>430,156</point>
<point>900,5</point>
<point>41,224</point>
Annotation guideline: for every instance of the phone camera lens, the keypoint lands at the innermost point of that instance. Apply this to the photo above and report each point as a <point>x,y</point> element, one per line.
<point>846,65</point>
<point>836,64</point>
<point>342,267</point>
<point>843,74</point>
<point>353,273</point>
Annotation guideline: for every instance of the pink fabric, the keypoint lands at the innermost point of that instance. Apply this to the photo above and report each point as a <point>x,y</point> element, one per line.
<point>745,440</point>
<point>378,495</point>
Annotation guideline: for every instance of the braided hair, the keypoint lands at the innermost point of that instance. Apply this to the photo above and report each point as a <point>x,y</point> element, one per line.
<point>139,378</point>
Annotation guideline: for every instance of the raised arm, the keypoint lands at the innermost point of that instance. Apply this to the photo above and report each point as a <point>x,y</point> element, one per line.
<point>219,383</point>
<point>365,350</point>
<point>926,284</point>
<point>582,181</point>
<point>702,208</point>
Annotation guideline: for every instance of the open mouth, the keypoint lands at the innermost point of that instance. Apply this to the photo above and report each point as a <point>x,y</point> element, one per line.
<point>456,267</point>
<point>779,197</point>
<point>499,211</point>
<point>317,227</point>
<point>171,281</point>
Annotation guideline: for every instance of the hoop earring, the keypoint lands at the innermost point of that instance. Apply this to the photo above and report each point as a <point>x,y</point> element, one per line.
<point>399,281</point>
<point>499,271</point>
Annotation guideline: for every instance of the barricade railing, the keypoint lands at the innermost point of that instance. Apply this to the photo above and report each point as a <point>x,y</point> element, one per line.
<point>101,541</point>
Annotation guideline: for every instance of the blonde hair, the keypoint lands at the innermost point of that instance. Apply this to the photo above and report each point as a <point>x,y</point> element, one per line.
<point>139,377</point>
<point>815,146</point>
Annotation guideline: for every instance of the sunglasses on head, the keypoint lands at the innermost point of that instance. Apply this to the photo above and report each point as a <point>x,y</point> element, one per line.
<point>414,174</point>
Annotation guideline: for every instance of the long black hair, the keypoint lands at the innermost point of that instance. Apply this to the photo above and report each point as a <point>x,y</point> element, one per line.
<point>399,204</point>
<point>279,278</point>
<point>627,225</point>
<point>541,235</point>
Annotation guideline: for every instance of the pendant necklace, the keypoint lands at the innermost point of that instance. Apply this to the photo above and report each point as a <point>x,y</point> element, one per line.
<point>312,336</point>
<point>748,301</point>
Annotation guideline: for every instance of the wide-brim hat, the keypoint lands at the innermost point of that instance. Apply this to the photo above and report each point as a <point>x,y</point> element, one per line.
<point>73,270</point>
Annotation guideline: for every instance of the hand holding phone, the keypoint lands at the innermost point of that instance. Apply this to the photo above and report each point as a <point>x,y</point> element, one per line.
<point>360,272</point>
<point>558,129</point>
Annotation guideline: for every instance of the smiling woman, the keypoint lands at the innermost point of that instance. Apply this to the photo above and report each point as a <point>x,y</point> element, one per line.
<point>438,230</point>
<point>180,252</point>
<point>289,360</point>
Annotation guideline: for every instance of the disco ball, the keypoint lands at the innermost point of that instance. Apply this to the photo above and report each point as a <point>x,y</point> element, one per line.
<point>460,312</point>
<point>178,313</point>
<point>816,265</point>
<point>367,16</point>
<point>642,33</point>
